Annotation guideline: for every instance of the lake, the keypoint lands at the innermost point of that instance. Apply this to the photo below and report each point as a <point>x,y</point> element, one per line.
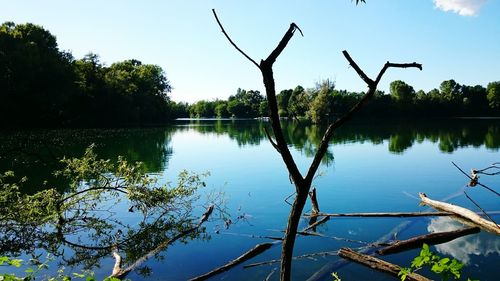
<point>375,166</point>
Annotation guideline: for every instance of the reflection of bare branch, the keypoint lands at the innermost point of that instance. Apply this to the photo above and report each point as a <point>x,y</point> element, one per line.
<point>493,166</point>
<point>474,179</point>
<point>122,272</point>
<point>484,212</point>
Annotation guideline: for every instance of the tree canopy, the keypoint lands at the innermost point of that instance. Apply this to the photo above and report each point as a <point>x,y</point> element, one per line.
<point>42,86</point>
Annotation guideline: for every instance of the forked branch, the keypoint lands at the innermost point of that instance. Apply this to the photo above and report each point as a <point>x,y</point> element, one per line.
<point>372,87</point>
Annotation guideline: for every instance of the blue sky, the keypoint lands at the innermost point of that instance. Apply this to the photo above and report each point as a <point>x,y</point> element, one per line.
<point>453,39</point>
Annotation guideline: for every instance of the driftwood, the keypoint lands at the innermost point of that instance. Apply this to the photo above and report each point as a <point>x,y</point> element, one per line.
<point>258,249</point>
<point>430,239</point>
<point>378,264</point>
<point>461,212</point>
<point>382,214</point>
<point>120,272</point>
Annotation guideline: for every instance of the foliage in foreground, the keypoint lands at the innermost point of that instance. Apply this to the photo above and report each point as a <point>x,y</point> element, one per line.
<point>83,224</point>
<point>444,267</point>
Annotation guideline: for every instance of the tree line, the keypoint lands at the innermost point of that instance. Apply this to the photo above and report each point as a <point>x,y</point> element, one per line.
<point>324,102</point>
<point>43,86</point>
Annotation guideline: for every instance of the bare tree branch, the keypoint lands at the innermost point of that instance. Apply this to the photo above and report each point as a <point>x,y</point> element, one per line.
<point>358,70</point>
<point>282,44</point>
<point>372,87</point>
<point>271,140</point>
<point>231,41</point>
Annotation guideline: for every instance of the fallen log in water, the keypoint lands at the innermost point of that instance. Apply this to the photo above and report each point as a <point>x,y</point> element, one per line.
<point>382,214</point>
<point>259,248</point>
<point>378,264</point>
<point>462,213</point>
<point>330,267</point>
<point>430,239</point>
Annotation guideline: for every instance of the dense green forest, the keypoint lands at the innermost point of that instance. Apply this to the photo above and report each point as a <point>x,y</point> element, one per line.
<point>43,86</point>
<point>324,102</point>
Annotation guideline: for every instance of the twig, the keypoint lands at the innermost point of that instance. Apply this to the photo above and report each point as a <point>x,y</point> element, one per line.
<point>484,212</point>
<point>231,41</point>
<point>475,180</point>
<point>270,274</point>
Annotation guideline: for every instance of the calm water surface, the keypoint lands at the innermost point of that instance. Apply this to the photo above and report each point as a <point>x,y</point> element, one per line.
<point>370,167</point>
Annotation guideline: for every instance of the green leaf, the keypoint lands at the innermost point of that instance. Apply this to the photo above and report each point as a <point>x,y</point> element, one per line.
<point>78,275</point>
<point>3,259</point>
<point>15,262</point>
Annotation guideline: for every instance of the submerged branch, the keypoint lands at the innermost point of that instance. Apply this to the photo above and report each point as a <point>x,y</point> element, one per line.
<point>122,272</point>
<point>378,264</point>
<point>429,239</point>
<point>258,249</point>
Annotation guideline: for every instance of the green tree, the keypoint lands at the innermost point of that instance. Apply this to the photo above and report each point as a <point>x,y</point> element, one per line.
<point>401,91</point>
<point>283,97</point>
<point>35,77</point>
<point>221,109</point>
<point>140,91</point>
<point>493,95</point>
<point>321,105</point>
<point>298,102</point>
<point>450,91</point>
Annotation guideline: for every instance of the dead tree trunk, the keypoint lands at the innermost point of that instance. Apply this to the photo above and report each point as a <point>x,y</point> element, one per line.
<point>302,184</point>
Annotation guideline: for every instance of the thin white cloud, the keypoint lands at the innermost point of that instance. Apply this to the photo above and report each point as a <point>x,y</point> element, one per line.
<point>461,7</point>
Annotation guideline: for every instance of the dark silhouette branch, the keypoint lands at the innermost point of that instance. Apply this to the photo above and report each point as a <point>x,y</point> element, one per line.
<point>482,210</point>
<point>358,70</point>
<point>271,140</point>
<point>302,185</point>
<point>231,41</point>
<point>282,44</point>
<point>372,87</point>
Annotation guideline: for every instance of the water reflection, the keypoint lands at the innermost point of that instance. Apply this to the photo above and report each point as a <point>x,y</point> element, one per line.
<point>36,153</point>
<point>462,249</point>
<point>27,151</point>
<point>449,135</point>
